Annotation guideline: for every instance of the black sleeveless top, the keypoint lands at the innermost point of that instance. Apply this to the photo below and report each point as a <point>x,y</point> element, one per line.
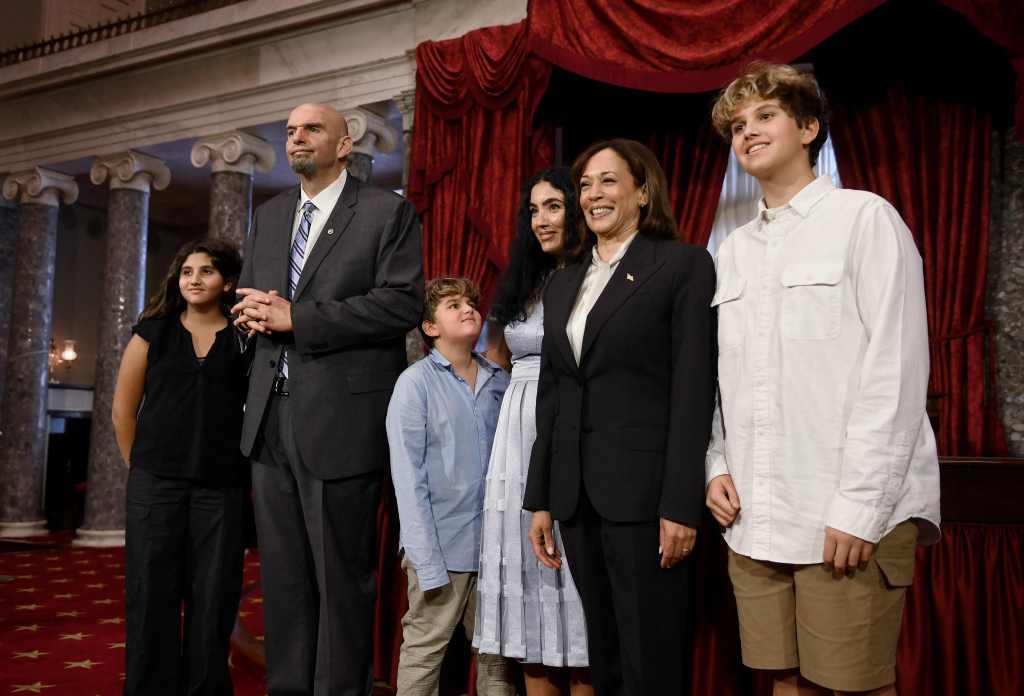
<point>190,422</point>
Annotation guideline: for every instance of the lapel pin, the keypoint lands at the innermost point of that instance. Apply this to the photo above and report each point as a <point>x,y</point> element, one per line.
<point>330,231</point>
<point>629,277</point>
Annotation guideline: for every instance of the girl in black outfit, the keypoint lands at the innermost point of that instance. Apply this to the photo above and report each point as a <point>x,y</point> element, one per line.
<point>184,538</point>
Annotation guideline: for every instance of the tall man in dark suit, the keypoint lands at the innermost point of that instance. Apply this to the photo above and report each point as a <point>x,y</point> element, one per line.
<point>332,282</point>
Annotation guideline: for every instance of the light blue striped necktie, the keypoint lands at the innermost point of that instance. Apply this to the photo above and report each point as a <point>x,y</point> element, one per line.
<point>296,260</point>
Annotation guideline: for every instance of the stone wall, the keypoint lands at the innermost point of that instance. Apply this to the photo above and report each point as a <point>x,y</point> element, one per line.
<point>1006,283</point>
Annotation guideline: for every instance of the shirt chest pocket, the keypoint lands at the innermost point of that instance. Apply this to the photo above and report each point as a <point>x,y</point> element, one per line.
<point>730,315</point>
<point>811,299</point>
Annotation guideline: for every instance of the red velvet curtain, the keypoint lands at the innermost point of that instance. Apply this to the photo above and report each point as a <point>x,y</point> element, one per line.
<point>680,45</point>
<point>694,158</point>
<point>473,145</point>
<point>902,133</point>
<point>963,625</point>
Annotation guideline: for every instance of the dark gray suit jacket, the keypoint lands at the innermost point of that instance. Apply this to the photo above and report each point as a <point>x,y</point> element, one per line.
<point>360,292</point>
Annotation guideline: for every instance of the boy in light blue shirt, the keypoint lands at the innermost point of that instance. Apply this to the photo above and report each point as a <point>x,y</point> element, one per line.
<point>440,426</point>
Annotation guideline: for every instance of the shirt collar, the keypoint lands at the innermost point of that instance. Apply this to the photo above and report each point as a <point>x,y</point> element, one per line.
<point>598,261</point>
<point>326,199</point>
<point>445,363</point>
<point>802,202</point>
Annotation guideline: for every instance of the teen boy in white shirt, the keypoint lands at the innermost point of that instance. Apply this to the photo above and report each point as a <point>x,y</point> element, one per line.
<point>823,467</point>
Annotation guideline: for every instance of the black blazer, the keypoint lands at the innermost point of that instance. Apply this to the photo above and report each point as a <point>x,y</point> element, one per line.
<point>632,421</point>
<point>360,292</point>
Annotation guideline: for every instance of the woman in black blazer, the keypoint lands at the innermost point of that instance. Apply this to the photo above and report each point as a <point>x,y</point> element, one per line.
<point>624,409</point>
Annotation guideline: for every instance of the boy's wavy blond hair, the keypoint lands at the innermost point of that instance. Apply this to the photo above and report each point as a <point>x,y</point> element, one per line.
<point>798,94</point>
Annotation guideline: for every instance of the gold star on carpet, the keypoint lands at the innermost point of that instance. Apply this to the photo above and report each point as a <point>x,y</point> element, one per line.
<point>36,688</point>
<point>75,636</point>
<point>29,606</point>
<point>33,655</point>
<point>115,620</point>
<point>30,627</point>
<point>97,585</point>
<point>116,645</point>
<point>72,614</point>
<point>81,664</point>
<point>66,595</point>
<point>28,589</point>
<point>102,601</point>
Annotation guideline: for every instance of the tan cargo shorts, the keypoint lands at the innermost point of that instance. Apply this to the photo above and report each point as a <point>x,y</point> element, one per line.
<point>841,632</point>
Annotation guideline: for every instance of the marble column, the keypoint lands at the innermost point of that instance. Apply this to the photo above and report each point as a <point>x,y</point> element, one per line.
<point>370,134</point>
<point>406,103</point>
<point>131,176</point>
<point>23,423</point>
<point>233,157</point>
<point>8,243</point>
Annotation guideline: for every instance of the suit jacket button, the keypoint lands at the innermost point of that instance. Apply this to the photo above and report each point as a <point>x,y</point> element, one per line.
<point>272,363</point>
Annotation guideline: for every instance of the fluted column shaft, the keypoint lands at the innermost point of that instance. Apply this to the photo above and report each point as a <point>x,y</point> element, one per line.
<point>23,430</point>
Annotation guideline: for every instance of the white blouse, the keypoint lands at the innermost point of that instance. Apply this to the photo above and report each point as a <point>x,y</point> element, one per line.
<point>598,275</point>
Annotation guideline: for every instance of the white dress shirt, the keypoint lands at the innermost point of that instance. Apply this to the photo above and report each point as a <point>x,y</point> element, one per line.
<point>598,274</point>
<point>324,202</point>
<point>823,368</point>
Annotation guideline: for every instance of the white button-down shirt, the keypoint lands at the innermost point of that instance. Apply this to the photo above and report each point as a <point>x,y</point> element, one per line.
<point>324,202</point>
<point>823,368</point>
<point>594,282</point>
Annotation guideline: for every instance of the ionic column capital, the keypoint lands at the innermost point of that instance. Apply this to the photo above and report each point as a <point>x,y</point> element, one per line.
<point>42,186</point>
<point>370,133</point>
<point>130,170</point>
<point>234,151</point>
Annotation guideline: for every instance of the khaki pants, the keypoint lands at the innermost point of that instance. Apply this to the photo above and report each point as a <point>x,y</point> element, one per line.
<point>428,626</point>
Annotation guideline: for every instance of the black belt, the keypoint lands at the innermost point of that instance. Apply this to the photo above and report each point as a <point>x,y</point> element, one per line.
<point>280,385</point>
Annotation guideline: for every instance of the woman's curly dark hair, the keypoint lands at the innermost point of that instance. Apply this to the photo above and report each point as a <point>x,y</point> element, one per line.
<point>528,265</point>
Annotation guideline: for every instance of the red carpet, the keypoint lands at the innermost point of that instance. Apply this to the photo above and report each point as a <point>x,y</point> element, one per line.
<point>62,623</point>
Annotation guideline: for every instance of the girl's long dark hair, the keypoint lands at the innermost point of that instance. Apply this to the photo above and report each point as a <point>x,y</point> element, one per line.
<point>168,300</point>
<point>528,266</point>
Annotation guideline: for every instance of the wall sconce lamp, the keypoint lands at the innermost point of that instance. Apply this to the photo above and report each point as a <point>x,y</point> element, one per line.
<point>69,354</point>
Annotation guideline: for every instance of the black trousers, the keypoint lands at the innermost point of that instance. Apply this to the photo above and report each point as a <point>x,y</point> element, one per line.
<point>318,566</point>
<point>183,544</point>
<point>636,611</point>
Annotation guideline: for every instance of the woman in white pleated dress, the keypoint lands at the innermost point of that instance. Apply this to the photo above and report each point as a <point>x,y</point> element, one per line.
<point>527,611</point>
